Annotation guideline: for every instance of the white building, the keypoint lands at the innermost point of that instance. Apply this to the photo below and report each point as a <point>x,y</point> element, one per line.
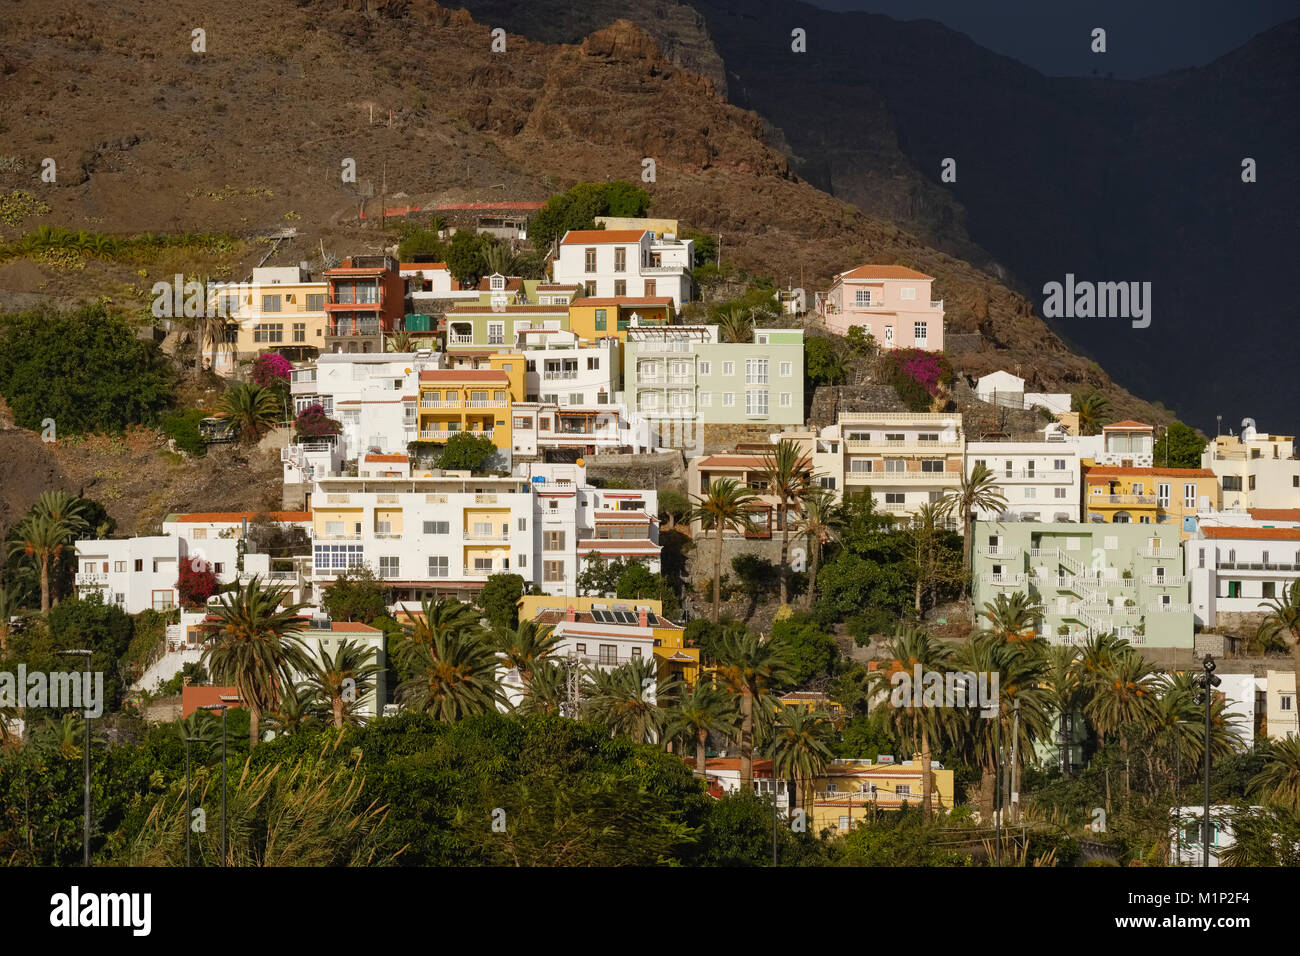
<point>1003,388</point>
<point>1282,717</point>
<point>1040,479</point>
<point>562,370</point>
<point>1255,470</point>
<point>555,432</point>
<point>1187,838</point>
<point>625,262</point>
<point>1127,444</point>
<point>1233,570</point>
<point>431,287</point>
<point>449,532</point>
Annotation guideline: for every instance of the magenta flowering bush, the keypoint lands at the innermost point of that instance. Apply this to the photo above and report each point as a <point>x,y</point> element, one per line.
<point>312,422</point>
<point>917,375</point>
<point>271,369</point>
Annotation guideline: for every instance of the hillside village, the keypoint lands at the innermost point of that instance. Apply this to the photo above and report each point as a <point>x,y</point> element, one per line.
<point>571,478</point>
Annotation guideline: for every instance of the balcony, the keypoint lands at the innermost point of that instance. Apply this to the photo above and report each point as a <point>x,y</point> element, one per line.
<point>485,403</point>
<point>494,537</point>
<point>344,331</point>
<point>1121,500</point>
<point>1169,608</point>
<point>1001,552</point>
<point>1166,553</point>
<point>440,403</point>
<point>1164,581</point>
<point>91,579</point>
<point>906,446</point>
<point>559,376</point>
<point>460,339</point>
<point>387,535</point>
<point>481,572</point>
<point>1005,580</point>
<point>338,537</point>
<point>437,434</point>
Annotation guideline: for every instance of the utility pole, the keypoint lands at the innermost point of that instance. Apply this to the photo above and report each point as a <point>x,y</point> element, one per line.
<point>1206,695</point>
<point>1015,755</point>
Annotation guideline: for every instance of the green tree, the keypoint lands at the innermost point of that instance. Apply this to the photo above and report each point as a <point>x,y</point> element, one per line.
<point>632,699</point>
<point>820,521</point>
<point>1093,408</point>
<point>465,259</point>
<point>500,600</point>
<point>86,369</point>
<point>525,647</point>
<point>726,506</point>
<point>455,670</point>
<point>252,642</point>
<point>1012,618</point>
<point>466,451</point>
<point>1282,619</point>
<point>801,749</point>
<point>823,362</point>
<point>342,680</point>
<point>636,582</point>
<point>357,594</point>
<point>913,647</point>
<point>811,652</point>
<point>704,710</point>
<point>42,540</point>
<point>1179,447</point>
<point>1279,782</point>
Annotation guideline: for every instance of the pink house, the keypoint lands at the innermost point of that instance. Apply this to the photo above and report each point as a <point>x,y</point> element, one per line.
<point>891,303</point>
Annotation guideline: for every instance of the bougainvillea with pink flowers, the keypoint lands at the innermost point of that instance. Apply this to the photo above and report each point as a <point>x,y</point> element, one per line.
<point>312,422</point>
<point>271,369</point>
<point>917,375</point>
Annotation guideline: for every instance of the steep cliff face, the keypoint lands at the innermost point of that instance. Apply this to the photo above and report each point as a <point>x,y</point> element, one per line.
<point>251,135</point>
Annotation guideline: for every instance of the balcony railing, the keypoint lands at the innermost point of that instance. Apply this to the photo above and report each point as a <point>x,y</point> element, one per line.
<point>481,572</point>
<point>1169,553</point>
<point>91,578</point>
<point>440,403</point>
<point>549,376</point>
<point>906,446</point>
<point>435,434</point>
<point>1001,552</point>
<point>484,403</point>
<point>460,339</point>
<point>1121,500</point>
<point>1005,580</point>
<point>497,537</point>
<point>1165,581</point>
<point>1170,608</point>
<point>343,331</point>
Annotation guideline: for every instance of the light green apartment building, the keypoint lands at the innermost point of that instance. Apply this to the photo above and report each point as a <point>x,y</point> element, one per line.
<point>684,372</point>
<point>1089,578</point>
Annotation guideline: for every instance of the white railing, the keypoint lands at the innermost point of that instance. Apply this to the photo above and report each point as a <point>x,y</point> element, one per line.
<point>493,537</point>
<point>1170,608</point>
<point>484,403</point>
<point>1158,553</point>
<point>91,578</point>
<point>387,535</point>
<point>440,403</point>
<point>1004,580</point>
<point>1121,499</point>
<point>460,339</point>
<point>1165,580</point>
<point>478,572</point>
<point>547,376</point>
<point>1001,552</point>
<point>906,446</point>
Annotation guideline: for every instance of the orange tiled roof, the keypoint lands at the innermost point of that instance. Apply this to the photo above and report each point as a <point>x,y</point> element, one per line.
<point>883,272</point>
<point>574,236</point>
<point>1116,471</point>
<point>1129,423</point>
<point>453,375</point>
<point>630,300</point>
<point>234,516</point>
<point>399,458</point>
<point>1256,534</point>
<point>1275,514</point>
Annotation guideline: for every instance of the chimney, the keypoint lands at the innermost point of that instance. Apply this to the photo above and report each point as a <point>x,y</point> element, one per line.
<point>570,614</point>
<point>642,617</point>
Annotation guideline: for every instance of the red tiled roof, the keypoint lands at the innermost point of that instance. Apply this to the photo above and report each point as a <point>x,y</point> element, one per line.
<point>602,236</point>
<point>1275,514</point>
<point>422,266</point>
<point>556,287</point>
<point>236,516</point>
<point>507,309</point>
<point>490,205</point>
<point>387,458</point>
<point>1255,534</point>
<point>626,300</point>
<point>883,272</point>
<point>453,375</point>
<point>1116,471</point>
<point>513,284</point>
<point>1127,424</point>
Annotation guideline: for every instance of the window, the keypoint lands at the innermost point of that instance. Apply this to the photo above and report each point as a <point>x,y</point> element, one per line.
<point>1058,492</point>
<point>706,368</point>
<point>932,464</point>
<point>553,541</point>
<point>650,287</point>
<point>706,399</point>
<point>522,559</point>
<point>300,331</point>
<point>862,298</point>
<point>907,293</point>
<point>523,524</point>
<point>1111,543</point>
<point>1285,703</point>
<point>756,401</point>
<point>316,303</point>
<point>1270,589</point>
<point>860,466</point>
<point>437,527</point>
<point>552,571</point>
<point>589,287</point>
<point>389,566</point>
<point>894,498</point>
<point>438,566</point>
<point>1189,494</point>
<point>270,303</point>
<point>139,564</point>
<point>1162,494</point>
<point>337,557</point>
<point>755,371</point>
<point>268,332</point>
<point>1031,494</point>
<point>589,259</point>
<point>728,399</point>
<point>162,600</point>
<point>620,287</point>
<point>593,364</point>
<point>895,465</point>
<point>1251,485</point>
<point>1231,483</point>
<point>919,331</point>
<point>496,333</point>
<point>786,399</point>
<point>761,338</point>
<point>600,320</point>
<point>728,368</point>
<point>620,259</point>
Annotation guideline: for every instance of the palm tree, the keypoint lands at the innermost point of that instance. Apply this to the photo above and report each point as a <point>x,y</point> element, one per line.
<point>499,260</point>
<point>1123,694</point>
<point>524,647</point>
<point>297,709</point>
<point>1092,406</point>
<point>1279,780</point>
<point>455,668</point>
<point>8,608</point>
<point>726,506</point>
<point>978,490</point>
<point>735,324</point>
<point>399,342</point>
<point>703,711</point>
<point>443,617</point>
<point>254,410</point>
<point>545,691</point>
<point>926,558</point>
<point>751,671</point>
<point>42,539</point>
<point>253,643</point>
<point>909,647</point>
<point>632,700</point>
<point>801,749</point>
<point>1062,678</point>
<point>340,682</point>
<point>1283,619</point>
<point>1013,618</point>
<point>822,518</point>
<point>789,477</point>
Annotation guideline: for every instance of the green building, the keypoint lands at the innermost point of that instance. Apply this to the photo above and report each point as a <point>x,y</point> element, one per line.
<point>1089,578</point>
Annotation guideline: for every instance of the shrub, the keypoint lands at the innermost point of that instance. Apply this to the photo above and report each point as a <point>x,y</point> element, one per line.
<point>917,376</point>
<point>271,370</point>
<point>312,422</point>
<point>182,427</point>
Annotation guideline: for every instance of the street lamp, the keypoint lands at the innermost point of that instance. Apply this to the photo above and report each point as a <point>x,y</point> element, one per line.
<point>189,812</point>
<point>85,690</point>
<point>1207,684</point>
<point>223,708</point>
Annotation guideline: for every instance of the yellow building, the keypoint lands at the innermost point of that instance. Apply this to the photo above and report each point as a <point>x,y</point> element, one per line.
<point>849,788</point>
<point>477,400</point>
<point>669,648</point>
<point>1121,495</point>
<point>601,318</point>
<point>809,701</point>
<point>280,310</point>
